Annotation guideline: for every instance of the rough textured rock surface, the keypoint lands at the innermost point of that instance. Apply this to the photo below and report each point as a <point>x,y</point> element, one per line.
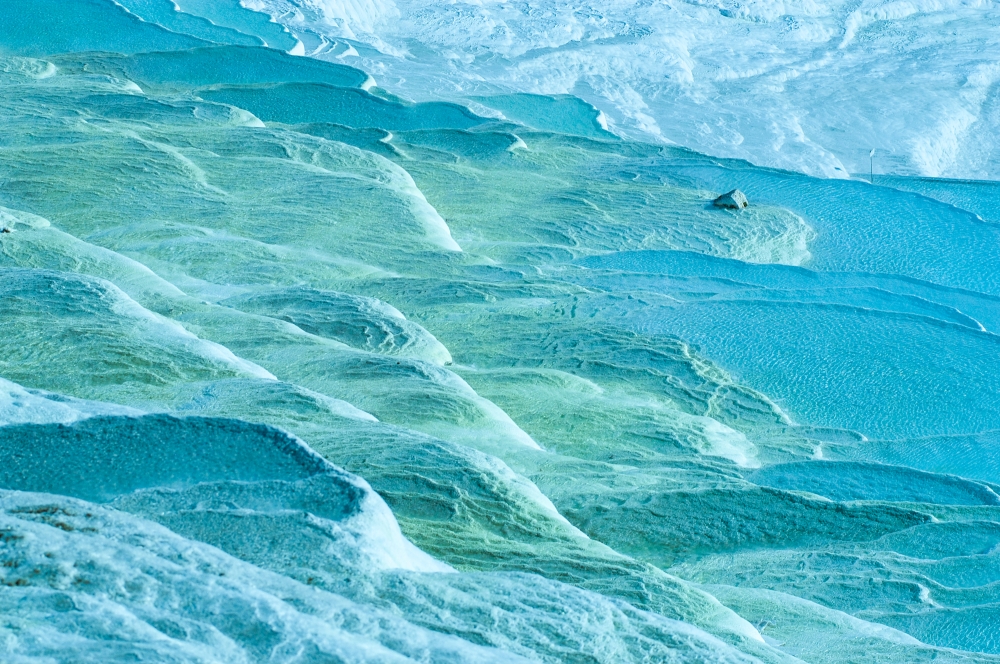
<point>735,200</point>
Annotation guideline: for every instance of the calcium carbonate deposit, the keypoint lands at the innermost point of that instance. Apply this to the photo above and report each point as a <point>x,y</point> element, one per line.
<point>375,331</point>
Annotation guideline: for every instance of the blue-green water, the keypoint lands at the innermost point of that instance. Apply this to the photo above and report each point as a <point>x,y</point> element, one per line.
<point>295,370</point>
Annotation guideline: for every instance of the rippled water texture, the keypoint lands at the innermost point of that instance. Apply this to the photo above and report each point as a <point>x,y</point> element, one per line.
<point>295,370</point>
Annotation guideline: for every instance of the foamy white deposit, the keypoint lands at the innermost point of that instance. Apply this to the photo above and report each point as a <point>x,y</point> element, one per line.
<point>810,86</point>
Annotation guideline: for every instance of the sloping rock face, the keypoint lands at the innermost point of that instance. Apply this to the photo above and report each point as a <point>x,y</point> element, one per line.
<point>734,200</point>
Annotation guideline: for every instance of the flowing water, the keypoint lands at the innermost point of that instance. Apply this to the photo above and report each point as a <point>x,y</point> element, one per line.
<point>293,369</point>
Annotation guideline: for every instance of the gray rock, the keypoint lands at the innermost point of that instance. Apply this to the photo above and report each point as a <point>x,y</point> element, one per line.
<point>735,200</point>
